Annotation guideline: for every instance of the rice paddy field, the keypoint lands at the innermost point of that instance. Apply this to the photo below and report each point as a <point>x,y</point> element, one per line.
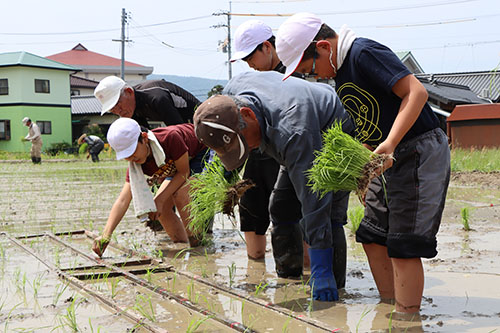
<point>50,280</point>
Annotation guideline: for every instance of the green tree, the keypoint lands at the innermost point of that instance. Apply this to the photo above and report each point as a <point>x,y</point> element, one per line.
<point>216,90</point>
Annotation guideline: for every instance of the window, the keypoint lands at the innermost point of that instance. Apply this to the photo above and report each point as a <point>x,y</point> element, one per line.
<point>4,86</point>
<point>75,92</point>
<point>42,86</point>
<point>4,129</point>
<point>45,126</point>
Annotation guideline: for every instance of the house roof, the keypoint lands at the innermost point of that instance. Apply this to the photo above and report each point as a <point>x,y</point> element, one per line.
<point>80,55</point>
<point>80,82</point>
<point>448,93</point>
<point>88,105</point>
<point>485,84</point>
<point>409,60</point>
<point>475,112</point>
<point>22,58</point>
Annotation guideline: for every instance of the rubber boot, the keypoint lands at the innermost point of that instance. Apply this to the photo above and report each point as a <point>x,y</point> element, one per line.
<point>33,159</point>
<point>39,160</point>
<point>339,256</point>
<point>288,253</point>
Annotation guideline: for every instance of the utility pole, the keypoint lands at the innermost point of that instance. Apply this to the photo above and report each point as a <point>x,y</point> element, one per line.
<point>226,48</point>
<point>122,41</point>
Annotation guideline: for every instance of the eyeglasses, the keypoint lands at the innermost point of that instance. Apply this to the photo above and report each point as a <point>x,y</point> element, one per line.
<point>313,73</point>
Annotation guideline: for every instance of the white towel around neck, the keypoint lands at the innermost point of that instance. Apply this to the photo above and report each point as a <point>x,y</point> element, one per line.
<point>142,197</point>
<point>346,38</point>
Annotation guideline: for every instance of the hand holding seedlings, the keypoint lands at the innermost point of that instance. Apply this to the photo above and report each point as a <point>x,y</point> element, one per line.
<point>100,244</point>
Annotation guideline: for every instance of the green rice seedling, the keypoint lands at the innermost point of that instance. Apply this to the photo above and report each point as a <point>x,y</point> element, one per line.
<point>190,290</point>
<point>232,273</point>
<point>68,320</point>
<point>60,289</point>
<point>343,164</point>
<point>114,287</point>
<point>36,284</point>
<point>284,328</point>
<point>465,213</point>
<point>144,306</point>
<point>260,287</point>
<point>211,192</point>
<point>194,324</point>
<point>363,314</point>
<point>355,214</point>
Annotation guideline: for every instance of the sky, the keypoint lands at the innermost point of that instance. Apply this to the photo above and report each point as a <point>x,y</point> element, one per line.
<point>182,37</point>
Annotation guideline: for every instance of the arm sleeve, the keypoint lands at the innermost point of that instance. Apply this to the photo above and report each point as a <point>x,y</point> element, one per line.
<point>174,145</point>
<point>316,212</point>
<point>381,66</point>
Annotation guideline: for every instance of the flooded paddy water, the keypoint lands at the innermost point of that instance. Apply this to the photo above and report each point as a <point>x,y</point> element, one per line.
<point>52,282</point>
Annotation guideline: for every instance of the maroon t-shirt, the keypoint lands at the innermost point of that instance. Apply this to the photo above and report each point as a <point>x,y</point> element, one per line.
<point>175,140</point>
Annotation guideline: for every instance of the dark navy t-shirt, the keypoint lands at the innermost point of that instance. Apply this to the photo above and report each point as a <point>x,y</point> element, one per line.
<point>364,85</point>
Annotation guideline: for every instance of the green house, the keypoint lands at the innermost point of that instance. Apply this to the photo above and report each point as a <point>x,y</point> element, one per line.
<point>38,88</point>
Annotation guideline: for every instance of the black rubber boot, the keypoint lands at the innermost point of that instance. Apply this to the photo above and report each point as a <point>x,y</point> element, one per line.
<point>339,256</point>
<point>39,160</point>
<point>288,250</point>
<point>33,159</point>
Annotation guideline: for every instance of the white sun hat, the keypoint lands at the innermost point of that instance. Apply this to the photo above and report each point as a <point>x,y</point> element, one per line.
<point>108,92</point>
<point>248,36</point>
<point>293,37</point>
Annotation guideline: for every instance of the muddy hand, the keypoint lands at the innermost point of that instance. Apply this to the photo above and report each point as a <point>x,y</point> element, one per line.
<point>100,244</point>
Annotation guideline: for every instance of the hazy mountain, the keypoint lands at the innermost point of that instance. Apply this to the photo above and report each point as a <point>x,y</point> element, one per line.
<point>197,86</point>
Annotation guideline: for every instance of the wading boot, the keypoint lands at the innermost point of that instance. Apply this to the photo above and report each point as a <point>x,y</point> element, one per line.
<point>288,253</point>
<point>339,255</point>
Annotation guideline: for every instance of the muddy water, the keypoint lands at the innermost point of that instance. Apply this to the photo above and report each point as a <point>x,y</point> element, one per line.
<point>461,291</point>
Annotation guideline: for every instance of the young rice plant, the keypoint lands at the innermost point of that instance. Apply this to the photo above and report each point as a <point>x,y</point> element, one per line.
<point>343,164</point>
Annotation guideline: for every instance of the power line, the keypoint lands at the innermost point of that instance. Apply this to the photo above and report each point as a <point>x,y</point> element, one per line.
<point>368,10</point>
<point>96,31</point>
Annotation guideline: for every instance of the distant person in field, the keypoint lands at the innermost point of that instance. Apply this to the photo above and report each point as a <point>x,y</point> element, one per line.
<point>168,156</point>
<point>95,145</point>
<point>151,100</point>
<point>35,136</point>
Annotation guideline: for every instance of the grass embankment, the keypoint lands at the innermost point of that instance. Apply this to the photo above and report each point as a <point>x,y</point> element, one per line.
<point>483,160</point>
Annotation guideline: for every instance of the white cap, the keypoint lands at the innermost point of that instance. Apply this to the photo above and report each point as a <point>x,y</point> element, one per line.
<point>108,92</point>
<point>293,38</point>
<point>248,36</point>
<point>25,120</point>
<point>123,135</point>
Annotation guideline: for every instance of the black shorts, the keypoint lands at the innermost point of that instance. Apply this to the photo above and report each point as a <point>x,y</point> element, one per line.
<point>254,212</point>
<point>407,219</point>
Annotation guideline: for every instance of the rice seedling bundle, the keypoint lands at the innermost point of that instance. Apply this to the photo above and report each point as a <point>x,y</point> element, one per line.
<point>212,192</point>
<point>343,164</point>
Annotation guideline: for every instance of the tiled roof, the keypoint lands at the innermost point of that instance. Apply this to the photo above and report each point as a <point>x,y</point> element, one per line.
<point>485,84</point>
<point>79,55</point>
<point>85,105</point>
<point>31,60</point>
<point>449,93</point>
<point>80,82</point>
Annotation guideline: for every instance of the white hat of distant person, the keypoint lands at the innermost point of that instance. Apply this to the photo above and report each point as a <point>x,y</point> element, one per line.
<point>293,37</point>
<point>26,120</point>
<point>108,92</point>
<point>248,36</point>
<point>123,136</point>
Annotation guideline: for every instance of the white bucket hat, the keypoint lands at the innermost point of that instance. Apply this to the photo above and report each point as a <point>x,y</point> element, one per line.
<point>25,120</point>
<point>123,135</point>
<point>108,92</point>
<point>248,36</point>
<point>293,38</point>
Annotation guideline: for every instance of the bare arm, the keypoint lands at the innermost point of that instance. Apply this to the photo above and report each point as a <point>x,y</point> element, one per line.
<point>115,216</point>
<point>413,98</point>
<point>167,189</point>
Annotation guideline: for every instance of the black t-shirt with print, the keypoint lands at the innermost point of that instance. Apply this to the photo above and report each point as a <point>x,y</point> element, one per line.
<point>364,84</point>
